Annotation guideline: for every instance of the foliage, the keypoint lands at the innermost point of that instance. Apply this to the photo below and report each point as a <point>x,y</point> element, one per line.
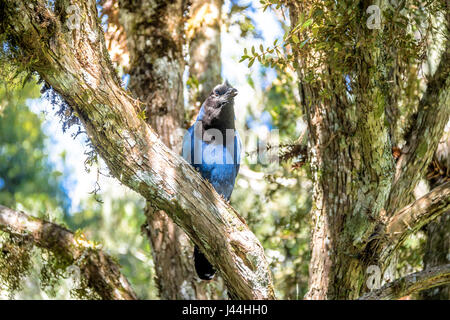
<point>26,175</point>
<point>237,15</point>
<point>116,223</point>
<point>28,181</point>
<point>15,263</point>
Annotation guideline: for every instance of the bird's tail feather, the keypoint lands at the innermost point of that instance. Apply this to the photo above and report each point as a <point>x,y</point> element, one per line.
<point>204,269</point>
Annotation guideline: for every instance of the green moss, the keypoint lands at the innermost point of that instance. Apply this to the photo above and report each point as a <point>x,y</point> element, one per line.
<point>380,104</point>
<point>422,149</point>
<point>53,269</point>
<point>15,262</point>
<point>18,258</point>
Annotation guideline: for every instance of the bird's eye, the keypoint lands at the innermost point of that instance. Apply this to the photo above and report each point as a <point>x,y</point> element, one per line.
<point>216,93</point>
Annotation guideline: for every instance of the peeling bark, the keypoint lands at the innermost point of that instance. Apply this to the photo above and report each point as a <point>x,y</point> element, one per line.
<point>76,64</point>
<point>102,273</point>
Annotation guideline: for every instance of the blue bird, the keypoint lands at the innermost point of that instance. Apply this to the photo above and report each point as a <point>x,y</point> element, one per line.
<point>212,146</point>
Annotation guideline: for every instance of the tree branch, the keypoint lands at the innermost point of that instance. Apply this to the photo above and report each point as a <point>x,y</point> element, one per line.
<point>427,130</point>
<point>101,272</point>
<point>414,216</point>
<point>412,283</point>
<point>75,63</point>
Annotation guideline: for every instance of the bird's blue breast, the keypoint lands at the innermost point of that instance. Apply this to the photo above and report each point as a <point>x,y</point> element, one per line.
<point>216,162</point>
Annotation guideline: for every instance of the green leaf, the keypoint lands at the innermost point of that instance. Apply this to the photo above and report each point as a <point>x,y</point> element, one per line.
<point>307,24</point>
<point>301,18</point>
<point>57,174</point>
<point>303,43</point>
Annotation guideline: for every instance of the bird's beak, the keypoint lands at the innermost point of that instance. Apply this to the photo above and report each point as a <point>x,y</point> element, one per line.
<point>233,92</point>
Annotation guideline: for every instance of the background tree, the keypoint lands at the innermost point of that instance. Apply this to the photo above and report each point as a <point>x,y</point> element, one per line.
<point>23,162</point>
<point>156,78</point>
<point>203,35</point>
<point>360,185</point>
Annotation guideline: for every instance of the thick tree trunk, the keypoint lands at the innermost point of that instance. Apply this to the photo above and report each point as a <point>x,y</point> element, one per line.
<point>155,41</point>
<point>352,165</point>
<point>205,64</point>
<point>74,61</point>
<point>358,187</point>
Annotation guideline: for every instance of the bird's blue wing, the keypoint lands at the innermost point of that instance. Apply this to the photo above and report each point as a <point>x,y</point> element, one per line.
<point>201,156</point>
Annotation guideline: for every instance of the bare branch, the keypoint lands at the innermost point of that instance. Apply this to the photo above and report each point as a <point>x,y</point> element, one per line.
<point>101,272</point>
<point>414,216</point>
<point>75,63</point>
<point>412,283</point>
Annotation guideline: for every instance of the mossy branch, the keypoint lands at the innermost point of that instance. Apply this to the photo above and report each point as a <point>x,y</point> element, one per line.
<point>411,283</point>
<point>414,216</point>
<point>101,272</point>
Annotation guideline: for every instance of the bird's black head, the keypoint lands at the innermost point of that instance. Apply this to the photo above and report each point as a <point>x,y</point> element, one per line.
<point>219,107</point>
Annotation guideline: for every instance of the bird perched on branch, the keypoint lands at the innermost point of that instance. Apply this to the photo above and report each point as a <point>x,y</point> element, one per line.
<point>212,145</point>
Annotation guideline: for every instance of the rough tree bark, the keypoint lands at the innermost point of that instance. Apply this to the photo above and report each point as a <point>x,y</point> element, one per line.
<point>101,272</point>
<point>358,184</point>
<point>74,61</point>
